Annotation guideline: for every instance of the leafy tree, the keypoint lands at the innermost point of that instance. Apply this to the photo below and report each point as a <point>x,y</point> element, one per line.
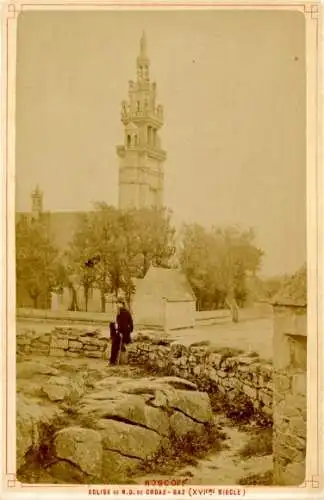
<point>37,265</point>
<point>125,242</point>
<point>272,285</point>
<point>153,236</point>
<point>77,257</point>
<point>217,262</point>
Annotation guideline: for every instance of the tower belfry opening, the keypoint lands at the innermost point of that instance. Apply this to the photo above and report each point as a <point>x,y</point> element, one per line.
<point>141,158</point>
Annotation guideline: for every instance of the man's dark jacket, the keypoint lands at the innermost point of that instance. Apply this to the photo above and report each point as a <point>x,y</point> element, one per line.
<point>125,324</point>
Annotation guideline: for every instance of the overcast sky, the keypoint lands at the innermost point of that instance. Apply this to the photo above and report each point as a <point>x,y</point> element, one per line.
<point>233,88</point>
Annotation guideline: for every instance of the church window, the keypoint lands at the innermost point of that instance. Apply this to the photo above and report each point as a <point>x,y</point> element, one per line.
<point>149,135</point>
<point>138,106</point>
<point>129,141</point>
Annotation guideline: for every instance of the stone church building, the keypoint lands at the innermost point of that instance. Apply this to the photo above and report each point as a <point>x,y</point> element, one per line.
<point>141,159</point>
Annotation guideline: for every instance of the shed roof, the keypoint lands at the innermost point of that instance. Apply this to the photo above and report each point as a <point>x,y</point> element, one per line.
<point>171,284</point>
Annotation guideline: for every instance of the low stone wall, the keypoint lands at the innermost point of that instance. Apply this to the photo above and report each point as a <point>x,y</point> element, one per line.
<point>211,371</point>
<point>63,342</point>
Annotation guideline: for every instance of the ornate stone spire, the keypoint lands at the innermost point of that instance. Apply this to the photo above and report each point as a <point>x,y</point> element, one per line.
<point>143,62</point>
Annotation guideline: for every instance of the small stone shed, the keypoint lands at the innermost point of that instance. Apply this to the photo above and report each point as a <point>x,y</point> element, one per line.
<point>164,300</point>
<point>290,388</point>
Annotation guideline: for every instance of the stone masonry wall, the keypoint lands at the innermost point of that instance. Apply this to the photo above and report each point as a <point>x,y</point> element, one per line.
<point>211,371</point>
<point>63,342</point>
<point>290,388</point>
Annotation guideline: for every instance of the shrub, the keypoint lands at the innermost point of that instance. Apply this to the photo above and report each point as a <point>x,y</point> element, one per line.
<point>253,354</point>
<point>184,450</point>
<point>258,445</point>
<point>239,409</point>
<point>202,343</point>
<point>225,352</point>
<point>263,479</point>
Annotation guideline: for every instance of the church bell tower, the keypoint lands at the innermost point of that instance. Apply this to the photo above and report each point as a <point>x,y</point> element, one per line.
<point>37,203</point>
<point>141,158</point>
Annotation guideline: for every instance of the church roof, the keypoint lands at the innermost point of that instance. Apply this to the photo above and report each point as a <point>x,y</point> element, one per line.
<point>62,225</point>
<point>171,284</point>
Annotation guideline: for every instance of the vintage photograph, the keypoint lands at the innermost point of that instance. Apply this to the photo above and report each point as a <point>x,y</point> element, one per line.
<point>160,232</point>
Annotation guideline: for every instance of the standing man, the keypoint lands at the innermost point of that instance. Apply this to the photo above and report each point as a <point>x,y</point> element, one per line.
<point>124,325</point>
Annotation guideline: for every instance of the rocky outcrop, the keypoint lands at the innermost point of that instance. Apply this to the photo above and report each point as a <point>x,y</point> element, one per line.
<point>82,448</point>
<point>116,426</point>
<point>32,420</point>
<point>62,388</point>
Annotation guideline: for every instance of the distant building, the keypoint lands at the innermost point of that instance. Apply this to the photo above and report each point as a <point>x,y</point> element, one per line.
<point>164,300</point>
<point>141,174</point>
<point>61,225</point>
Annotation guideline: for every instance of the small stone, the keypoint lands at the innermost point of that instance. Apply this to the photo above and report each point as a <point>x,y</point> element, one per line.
<point>59,343</point>
<point>23,341</point>
<point>197,370</point>
<point>73,344</point>
<point>89,347</point>
<point>44,339</point>
<point>70,354</point>
<point>93,354</point>
<point>265,398</point>
<point>251,392</point>
<point>90,341</point>
<point>57,352</point>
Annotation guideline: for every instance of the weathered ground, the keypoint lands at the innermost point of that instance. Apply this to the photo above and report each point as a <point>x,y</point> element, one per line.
<point>88,393</point>
<point>224,467</point>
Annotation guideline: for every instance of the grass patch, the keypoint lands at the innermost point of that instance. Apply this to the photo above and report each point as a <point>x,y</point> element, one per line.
<point>253,354</point>
<point>225,352</point>
<point>240,409</point>
<point>265,479</point>
<point>202,343</point>
<point>186,450</point>
<point>259,445</point>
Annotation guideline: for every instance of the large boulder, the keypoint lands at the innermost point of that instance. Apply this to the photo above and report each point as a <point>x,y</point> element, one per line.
<point>118,424</point>
<point>195,405</point>
<point>116,468</point>
<point>28,369</point>
<point>81,447</point>
<point>64,388</point>
<point>180,425</point>
<point>32,420</point>
<point>125,407</point>
<point>130,441</point>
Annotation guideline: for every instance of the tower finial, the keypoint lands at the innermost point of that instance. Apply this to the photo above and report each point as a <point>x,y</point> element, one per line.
<point>143,45</point>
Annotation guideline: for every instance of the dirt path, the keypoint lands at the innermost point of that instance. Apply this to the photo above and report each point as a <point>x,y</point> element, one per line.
<point>225,467</point>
